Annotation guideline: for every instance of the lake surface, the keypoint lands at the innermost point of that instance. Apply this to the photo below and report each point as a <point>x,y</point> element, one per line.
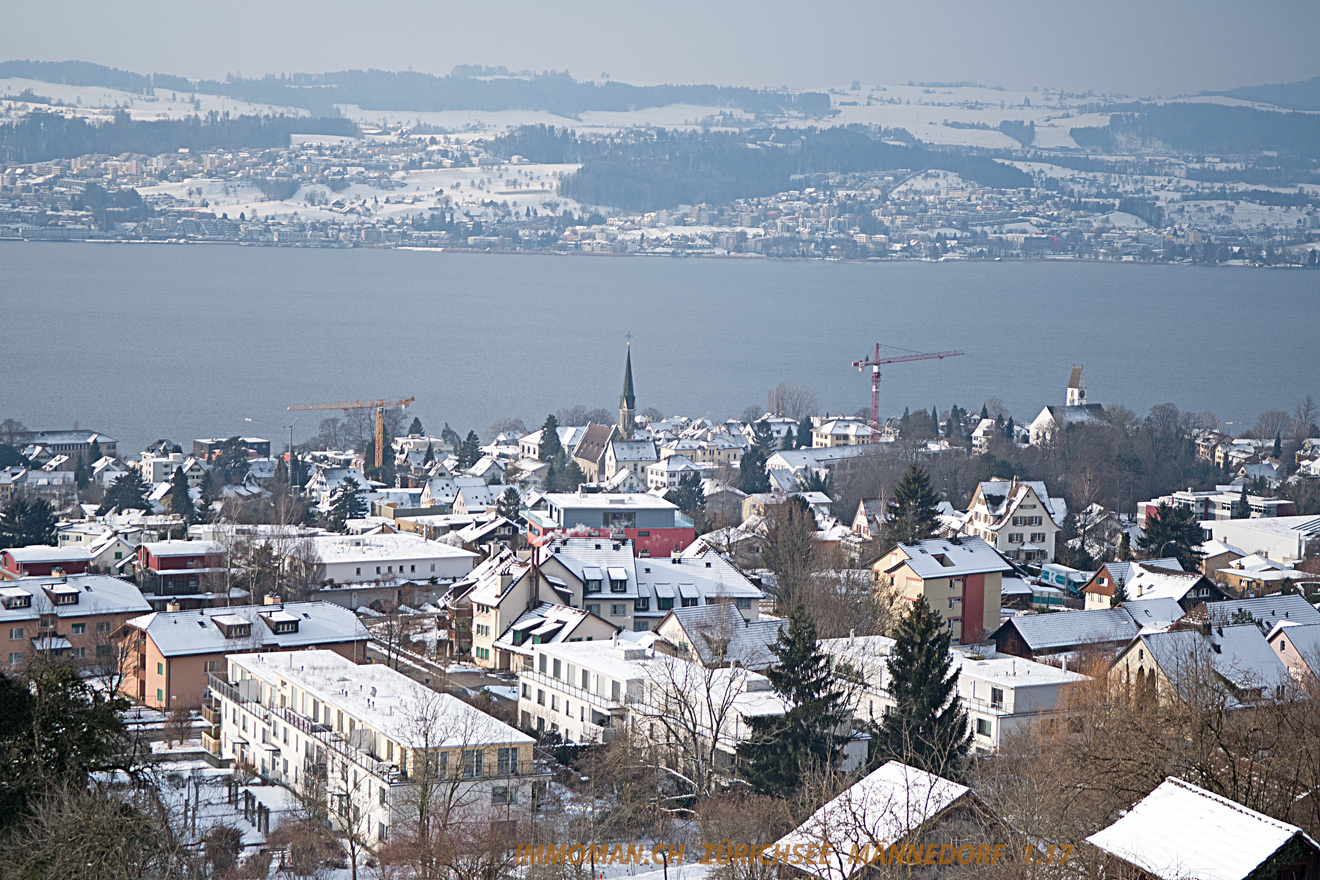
<point>151,341</point>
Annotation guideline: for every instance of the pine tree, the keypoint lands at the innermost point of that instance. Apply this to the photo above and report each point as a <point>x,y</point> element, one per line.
<point>94,452</point>
<point>804,432</point>
<point>573,476</point>
<point>985,413</point>
<point>509,504</point>
<point>783,748</point>
<point>346,503</point>
<point>927,726</point>
<point>281,472</point>
<point>789,441</point>
<point>1125,548</point>
<point>1244,504</point>
<point>430,454</point>
<point>415,429</point>
<point>912,512</point>
<point>688,494</point>
<point>450,436</point>
<point>752,477</point>
<point>179,500</point>
<point>127,492</point>
<point>1173,528</point>
<point>764,438</point>
<point>25,522</point>
<point>551,448</point>
<point>1277,452</point>
<point>470,452</point>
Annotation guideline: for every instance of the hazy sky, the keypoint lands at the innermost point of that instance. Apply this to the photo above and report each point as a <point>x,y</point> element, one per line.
<point>1142,48</point>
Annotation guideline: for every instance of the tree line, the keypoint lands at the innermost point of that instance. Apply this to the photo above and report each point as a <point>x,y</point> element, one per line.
<point>658,168</point>
<point>1206,128</point>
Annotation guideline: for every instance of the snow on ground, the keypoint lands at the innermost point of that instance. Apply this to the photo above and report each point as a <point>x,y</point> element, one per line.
<point>1121,220</point>
<point>928,183</point>
<point>465,190</point>
<point>163,104</point>
<point>499,121</point>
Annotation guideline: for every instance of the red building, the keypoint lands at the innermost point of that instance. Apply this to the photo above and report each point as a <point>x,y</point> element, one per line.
<point>42,561</point>
<point>188,574</point>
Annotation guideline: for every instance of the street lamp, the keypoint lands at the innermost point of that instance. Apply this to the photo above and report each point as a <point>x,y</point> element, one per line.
<point>288,428</point>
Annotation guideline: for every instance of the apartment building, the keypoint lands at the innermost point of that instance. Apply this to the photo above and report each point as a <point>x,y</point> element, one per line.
<point>380,745</point>
<point>960,578</point>
<point>39,560</point>
<point>389,558</point>
<point>74,617</point>
<point>182,572</point>
<point>167,655</point>
<point>655,526</point>
<point>1001,694</point>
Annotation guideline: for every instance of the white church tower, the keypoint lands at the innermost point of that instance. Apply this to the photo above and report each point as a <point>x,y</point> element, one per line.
<point>1076,387</point>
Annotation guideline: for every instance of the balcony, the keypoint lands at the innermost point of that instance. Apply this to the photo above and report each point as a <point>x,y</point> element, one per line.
<point>211,714</point>
<point>576,693</point>
<point>224,689</point>
<point>211,743</point>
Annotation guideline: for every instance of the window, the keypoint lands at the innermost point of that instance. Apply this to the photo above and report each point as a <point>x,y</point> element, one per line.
<point>15,633</point>
<point>664,604</point>
<point>501,795</point>
<point>378,569</point>
<point>983,727</point>
<point>586,680</point>
<point>382,803</point>
<point>15,658</point>
<point>358,570</point>
<point>103,651</point>
<point>690,601</point>
<point>1037,537</point>
<point>615,691</point>
<point>160,698</point>
<point>642,604</point>
<point>742,603</point>
<point>540,697</point>
<point>554,702</point>
<point>594,608</point>
<point>471,763</point>
<point>591,586</point>
<point>103,627</point>
<point>78,653</point>
<point>1015,538</point>
<point>639,626</point>
<point>557,668</point>
<point>997,697</point>
<point>618,609</point>
<point>160,668</point>
<point>507,762</point>
<point>542,661</point>
<point>77,629</point>
<point>526,691</point>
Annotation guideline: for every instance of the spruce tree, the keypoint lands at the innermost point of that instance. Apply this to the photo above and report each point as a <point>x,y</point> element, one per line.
<point>94,452</point>
<point>416,427</point>
<point>179,500</point>
<point>752,477</point>
<point>783,748</point>
<point>985,413</point>
<point>804,433</point>
<point>551,448</point>
<point>789,441</point>
<point>26,521</point>
<point>1277,452</point>
<point>470,452</point>
<point>1173,530</point>
<point>509,504</point>
<point>1243,505</point>
<point>127,492</point>
<point>1125,548</point>
<point>912,512</point>
<point>430,454</point>
<point>926,727</point>
<point>346,503</point>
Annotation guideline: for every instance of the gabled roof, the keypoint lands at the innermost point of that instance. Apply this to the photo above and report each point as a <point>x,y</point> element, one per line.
<point>882,808</point>
<point>721,636</point>
<point>44,553</point>
<point>1266,610</point>
<point>1240,655</point>
<point>1067,629</point>
<point>1182,832</point>
<point>97,594</point>
<point>595,440</point>
<point>1150,582</point>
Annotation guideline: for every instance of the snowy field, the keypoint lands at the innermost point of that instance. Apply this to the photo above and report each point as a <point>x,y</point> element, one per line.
<point>164,104</point>
<point>468,191</point>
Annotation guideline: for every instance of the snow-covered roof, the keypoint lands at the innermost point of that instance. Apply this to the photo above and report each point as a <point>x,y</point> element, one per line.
<point>1066,629</point>
<point>382,698</point>
<point>940,558</point>
<point>720,635</point>
<point>882,808</point>
<point>97,594</point>
<point>162,549</point>
<point>178,633</point>
<point>1266,610</point>
<point>331,549</point>
<point>1240,655</point>
<point>1182,832</point>
<point>1150,582</point>
<point>43,553</point>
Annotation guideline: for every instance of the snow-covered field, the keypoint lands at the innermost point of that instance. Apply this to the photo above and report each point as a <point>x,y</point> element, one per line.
<point>465,190</point>
<point>163,104</point>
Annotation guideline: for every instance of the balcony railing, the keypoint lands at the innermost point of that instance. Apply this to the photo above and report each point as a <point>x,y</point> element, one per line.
<point>211,743</point>
<point>575,692</point>
<point>225,689</point>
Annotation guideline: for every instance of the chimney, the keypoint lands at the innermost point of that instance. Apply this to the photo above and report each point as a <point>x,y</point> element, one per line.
<point>271,600</point>
<point>173,606</point>
<point>57,572</point>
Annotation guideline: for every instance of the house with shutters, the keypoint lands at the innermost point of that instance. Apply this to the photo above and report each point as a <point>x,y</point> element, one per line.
<point>168,654</point>
<point>1018,518</point>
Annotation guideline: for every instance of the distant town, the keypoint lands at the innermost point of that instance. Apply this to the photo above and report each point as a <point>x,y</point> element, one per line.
<point>976,173</point>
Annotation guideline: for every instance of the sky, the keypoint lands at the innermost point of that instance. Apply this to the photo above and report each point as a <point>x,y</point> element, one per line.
<point>1133,47</point>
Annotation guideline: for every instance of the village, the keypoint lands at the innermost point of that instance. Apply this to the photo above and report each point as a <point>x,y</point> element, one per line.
<point>387,651</point>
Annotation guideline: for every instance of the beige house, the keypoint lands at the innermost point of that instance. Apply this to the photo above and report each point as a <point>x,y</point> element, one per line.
<point>960,578</point>
<point>1016,517</point>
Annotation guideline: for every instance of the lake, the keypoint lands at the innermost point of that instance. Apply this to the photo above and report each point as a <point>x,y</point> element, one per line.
<point>150,341</point>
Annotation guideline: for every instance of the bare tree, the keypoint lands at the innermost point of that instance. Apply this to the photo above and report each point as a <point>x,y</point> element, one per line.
<point>1270,423</point>
<point>13,432</point>
<point>795,401</point>
<point>790,551</point>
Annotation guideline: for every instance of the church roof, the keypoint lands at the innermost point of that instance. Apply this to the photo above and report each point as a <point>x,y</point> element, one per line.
<point>628,400</point>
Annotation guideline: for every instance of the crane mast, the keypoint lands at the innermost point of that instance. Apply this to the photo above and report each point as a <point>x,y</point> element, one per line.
<point>875,362</point>
<point>348,405</point>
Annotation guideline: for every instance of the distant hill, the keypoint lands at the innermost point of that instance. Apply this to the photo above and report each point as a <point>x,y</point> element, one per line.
<point>1303,95</point>
<point>469,87</point>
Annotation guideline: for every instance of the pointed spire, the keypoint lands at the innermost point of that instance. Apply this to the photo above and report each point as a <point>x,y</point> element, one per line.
<point>627,400</point>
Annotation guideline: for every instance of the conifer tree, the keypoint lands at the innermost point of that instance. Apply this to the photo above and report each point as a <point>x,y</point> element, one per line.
<point>1173,530</point>
<point>551,448</point>
<point>926,727</point>
<point>509,504</point>
<point>430,454</point>
<point>25,522</point>
<point>783,748</point>
<point>804,433</point>
<point>127,492</point>
<point>470,452</point>
<point>912,512</point>
<point>346,503</point>
<point>1277,452</point>
<point>179,500</point>
<point>789,441</point>
<point>752,477</point>
<point>985,413</point>
<point>1125,548</point>
<point>416,427</point>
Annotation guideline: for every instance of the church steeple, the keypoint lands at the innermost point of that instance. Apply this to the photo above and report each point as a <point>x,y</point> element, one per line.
<point>627,400</point>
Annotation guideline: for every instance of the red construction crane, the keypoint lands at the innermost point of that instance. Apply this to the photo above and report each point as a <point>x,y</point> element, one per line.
<point>874,363</point>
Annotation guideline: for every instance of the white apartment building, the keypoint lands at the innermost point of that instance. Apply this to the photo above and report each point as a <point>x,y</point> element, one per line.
<point>367,737</point>
<point>356,559</point>
<point>665,474</point>
<point>1001,694</point>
